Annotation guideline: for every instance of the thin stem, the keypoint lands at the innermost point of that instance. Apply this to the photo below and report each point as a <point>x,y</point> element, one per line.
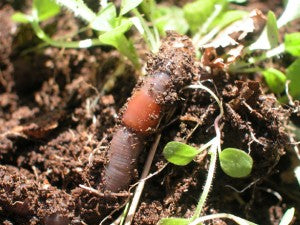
<point>63,44</point>
<point>207,145</point>
<point>217,129</point>
<point>214,149</point>
<point>269,54</point>
<point>203,29</point>
<point>208,183</point>
<point>236,219</point>
<point>244,70</point>
<point>149,37</point>
<point>242,67</point>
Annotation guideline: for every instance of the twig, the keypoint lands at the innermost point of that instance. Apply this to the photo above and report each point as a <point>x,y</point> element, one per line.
<point>98,193</point>
<point>149,176</point>
<point>139,189</point>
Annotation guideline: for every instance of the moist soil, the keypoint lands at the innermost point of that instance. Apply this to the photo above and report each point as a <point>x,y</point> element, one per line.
<point>59,109</point>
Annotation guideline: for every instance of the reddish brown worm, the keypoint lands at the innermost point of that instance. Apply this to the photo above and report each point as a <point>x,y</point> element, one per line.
<point>139,119</point>
<point>170,70</point>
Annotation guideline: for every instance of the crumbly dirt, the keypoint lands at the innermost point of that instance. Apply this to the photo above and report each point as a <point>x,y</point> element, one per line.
<point>58,109</point>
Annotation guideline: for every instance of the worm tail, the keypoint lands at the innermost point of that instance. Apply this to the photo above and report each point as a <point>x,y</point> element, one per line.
<point>124,151</point>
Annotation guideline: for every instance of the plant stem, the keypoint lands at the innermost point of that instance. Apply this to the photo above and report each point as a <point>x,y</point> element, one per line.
<point>217,129</point>
<point>204,27</point>
<point>243,67</point>
<point>214,149</point>
<point>269,54</point>
<point>149,37</point>
<point>63,44</point>
<point>208,183</point>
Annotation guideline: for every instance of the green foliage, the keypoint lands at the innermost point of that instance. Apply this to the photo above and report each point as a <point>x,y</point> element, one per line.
<point>196,13</point>
<point>148,8</point>
<point>20,17</point>
<point>128,5</point>
<point>45,9</point>
<point>110,27</point>
<point>272,30</point>
<point>227,18</point>
<point>275,80</point>
<point>174,221</point>
<point>179,153</point>
<point>292,74</point>
<point>170,18</point>
<point>117,39</point>
<point>106,18</point>
<point>235,162</point>
<point>292,43</point>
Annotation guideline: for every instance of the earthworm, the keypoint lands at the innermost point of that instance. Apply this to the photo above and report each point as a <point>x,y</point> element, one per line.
<point>139,119</point>
<point>144,110</point>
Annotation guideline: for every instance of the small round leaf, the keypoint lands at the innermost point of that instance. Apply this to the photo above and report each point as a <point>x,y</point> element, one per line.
<point>235,162</point>
<point>179,153</point>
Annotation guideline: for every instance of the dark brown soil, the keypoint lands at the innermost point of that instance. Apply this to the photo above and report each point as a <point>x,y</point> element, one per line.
<point>58,110</point>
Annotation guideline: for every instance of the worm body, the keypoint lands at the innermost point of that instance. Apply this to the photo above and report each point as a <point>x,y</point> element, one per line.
<point>124,150</point>
<point>143,112</point>
<point>171,70</point>
<point>140,117</point>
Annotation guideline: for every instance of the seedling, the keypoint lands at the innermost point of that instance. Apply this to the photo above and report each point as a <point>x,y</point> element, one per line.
<point>235,162</point>
<point>110,26</point>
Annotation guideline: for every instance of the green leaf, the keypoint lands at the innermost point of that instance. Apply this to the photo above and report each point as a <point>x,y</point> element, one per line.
<point>196,13</point>
<point>227,18</point>
<point>272,30</point>
<point>174,221</point>
<point>235,162</point>
<point>20,17</point>
<point>128,5</point>
<point>109,36</point>
<point>179,153</point>
<point>148,8</point>
<point>287,217</point>
<point>293,74</point>
<point>105,19</point>
<point>275,80</point>
<point>117,39</point>
<point>45,8</point>
<point>170,18</point>
<point>291,12</point>
<point>292,43</point>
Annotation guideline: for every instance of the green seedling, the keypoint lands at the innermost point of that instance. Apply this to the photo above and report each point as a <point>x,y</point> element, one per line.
<point>235,162</point>
<point>292,43</point>
<point>181,154</point>
<point>269,43</point>
<point>275,80</point>
<point>110,26</point>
